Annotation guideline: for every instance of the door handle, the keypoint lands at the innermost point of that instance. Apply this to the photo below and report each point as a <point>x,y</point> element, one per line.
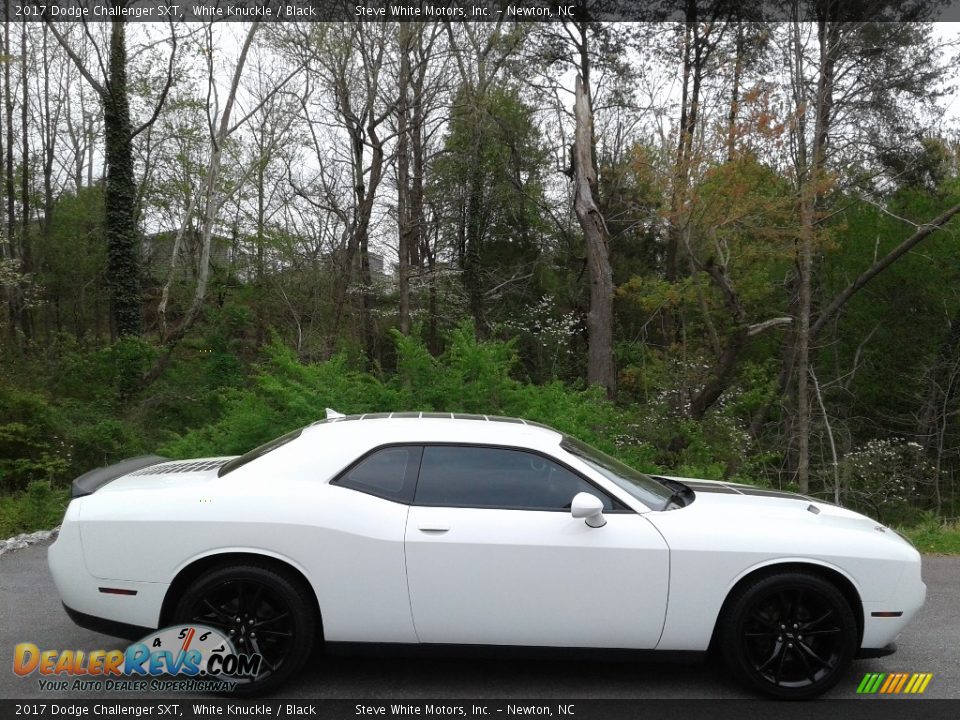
<point>432,528</point>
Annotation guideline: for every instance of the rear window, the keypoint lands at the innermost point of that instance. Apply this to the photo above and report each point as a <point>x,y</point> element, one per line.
<point>258,452</point>
<point>389,473</point>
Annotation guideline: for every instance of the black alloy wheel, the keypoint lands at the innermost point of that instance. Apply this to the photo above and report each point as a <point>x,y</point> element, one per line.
<point>789,635</point>
<point>261,610</point>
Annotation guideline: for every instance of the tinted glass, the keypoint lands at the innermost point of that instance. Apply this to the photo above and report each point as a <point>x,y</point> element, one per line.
<point>477,477</point>
<point>257,452</point>
<point>653,494</point>
<point>386,473</point>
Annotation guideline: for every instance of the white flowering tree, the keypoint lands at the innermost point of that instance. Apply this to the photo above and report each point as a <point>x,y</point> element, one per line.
<point>886,475</point>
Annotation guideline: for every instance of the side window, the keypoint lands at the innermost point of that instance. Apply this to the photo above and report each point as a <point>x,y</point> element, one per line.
<point>480,477</point>
<point>389,473</point>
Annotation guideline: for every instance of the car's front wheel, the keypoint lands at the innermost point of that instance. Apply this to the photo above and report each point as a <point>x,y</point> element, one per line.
<point>263,611</point>
<point>789,635</point>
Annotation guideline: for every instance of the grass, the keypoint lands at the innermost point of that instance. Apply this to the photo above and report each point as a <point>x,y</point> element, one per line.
<point>934,537</point>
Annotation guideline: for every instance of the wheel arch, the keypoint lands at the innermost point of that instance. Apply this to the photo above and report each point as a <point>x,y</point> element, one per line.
<point>831,574</point>
<point>195,568</point>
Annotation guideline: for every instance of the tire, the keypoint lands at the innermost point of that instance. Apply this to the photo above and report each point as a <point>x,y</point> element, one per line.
<point>263,610</point>
<point>790,636</point>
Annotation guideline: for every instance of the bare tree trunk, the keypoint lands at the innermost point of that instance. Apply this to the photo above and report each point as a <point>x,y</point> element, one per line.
<point>213,197</point>
<point>14,296</point>
<point>49,140</point>
<point>697,48</point>
<point>261,329</point>
<point>671,262</point>
<point>805,263</point>
<point>405,238</point>
<point>810,177</point>
<point>417,217</point>
<point>735,95</point>
<point>473,254</point>
<point>25,254</point>
<point>365,211</point>
<point>5,251</point>
<point>833,445</point>
<point>428,255</point>
<point>600,370</point>
<point>171,273</point>
<point>361,122</point>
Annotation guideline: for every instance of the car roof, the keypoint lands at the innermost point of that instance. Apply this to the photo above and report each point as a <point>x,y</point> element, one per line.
<point>429,426</point>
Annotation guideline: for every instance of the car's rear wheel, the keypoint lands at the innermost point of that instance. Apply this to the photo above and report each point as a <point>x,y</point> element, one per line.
<point>789,635</point>
<point>261,610</point>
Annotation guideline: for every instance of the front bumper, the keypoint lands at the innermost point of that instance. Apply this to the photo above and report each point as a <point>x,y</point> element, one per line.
<point>866,653</point>
<point>907,598</point>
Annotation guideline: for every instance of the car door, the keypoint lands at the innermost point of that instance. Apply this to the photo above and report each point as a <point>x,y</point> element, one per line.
<point>494,556</point>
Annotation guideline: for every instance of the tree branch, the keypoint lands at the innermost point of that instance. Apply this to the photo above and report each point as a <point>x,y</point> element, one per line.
<point>762,327</point>
<point>879,266</point>
<point>166,87</point>
<point>100,89</point>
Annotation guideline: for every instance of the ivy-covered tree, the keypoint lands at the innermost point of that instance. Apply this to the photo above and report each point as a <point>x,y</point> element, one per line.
<point>120,191</point>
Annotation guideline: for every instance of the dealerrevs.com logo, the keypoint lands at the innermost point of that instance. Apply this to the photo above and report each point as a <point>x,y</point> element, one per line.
<point>193,658</point>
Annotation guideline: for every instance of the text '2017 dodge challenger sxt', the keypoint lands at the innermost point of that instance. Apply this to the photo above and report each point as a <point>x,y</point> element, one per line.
<point>467,530</point>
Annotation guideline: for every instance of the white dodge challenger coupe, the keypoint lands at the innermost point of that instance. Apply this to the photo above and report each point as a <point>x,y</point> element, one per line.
<point>439,529</point>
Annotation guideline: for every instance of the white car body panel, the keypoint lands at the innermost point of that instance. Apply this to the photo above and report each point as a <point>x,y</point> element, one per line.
<point>708,558</point>
<point>347,544</point>
<point>80,590</point>
<point>539,579</point>
<point>647,579</point>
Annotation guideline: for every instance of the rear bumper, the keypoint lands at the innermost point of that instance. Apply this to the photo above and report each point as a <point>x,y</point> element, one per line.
<point>89,596</point>
<point>107,627</point>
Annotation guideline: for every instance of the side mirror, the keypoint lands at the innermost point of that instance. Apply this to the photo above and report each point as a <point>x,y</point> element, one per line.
<point>590,508</point>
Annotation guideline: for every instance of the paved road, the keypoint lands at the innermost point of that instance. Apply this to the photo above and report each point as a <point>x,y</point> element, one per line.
<point>30,611</point>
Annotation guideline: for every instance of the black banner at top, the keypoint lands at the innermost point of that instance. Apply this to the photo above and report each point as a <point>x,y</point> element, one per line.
<point>480,10</point>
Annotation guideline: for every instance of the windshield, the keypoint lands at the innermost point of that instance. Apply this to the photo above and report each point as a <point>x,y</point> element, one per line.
<point>257,452</point>
<point>644,488</point>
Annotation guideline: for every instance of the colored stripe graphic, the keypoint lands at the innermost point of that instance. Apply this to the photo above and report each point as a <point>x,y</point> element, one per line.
<point>870,683</point>
<point>894,683</point>
<point>903,680</point>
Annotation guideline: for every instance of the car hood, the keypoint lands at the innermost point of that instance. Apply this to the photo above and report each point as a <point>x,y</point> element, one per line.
<point>730,488</point>
<point>736,499</point>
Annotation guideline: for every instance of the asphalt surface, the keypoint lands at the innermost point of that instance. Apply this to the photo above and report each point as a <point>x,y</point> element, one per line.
<point>30,611</point>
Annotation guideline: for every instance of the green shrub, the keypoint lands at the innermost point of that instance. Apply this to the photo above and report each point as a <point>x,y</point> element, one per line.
<point>32,443</point>
<point>470,377</point>
<point>39,507</point>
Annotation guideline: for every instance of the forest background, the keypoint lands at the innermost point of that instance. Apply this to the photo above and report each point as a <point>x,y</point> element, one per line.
<point>718,247</point>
